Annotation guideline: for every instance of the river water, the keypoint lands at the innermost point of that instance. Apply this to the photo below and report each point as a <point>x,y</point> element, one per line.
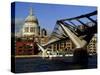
<point>38,64</point>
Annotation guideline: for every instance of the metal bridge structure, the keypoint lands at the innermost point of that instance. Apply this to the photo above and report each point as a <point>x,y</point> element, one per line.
<point>69,28</point>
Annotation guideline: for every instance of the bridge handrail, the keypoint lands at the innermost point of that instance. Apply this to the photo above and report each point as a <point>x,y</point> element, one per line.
<point>82,16</point>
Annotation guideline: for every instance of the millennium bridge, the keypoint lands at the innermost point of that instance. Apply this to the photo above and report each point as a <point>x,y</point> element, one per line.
<point>67,28</point>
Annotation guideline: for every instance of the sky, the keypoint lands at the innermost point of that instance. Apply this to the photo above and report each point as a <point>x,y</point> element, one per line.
<point>48,14</point>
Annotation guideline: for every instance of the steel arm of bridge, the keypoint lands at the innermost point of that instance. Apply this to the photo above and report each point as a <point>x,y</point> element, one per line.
<point>69,26</point>
<point>79,43</point>
<point>92,20</point>
<point>50,42</point>
<point>43,50</point>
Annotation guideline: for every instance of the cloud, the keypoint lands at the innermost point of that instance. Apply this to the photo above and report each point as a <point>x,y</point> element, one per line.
<point>19,22</point>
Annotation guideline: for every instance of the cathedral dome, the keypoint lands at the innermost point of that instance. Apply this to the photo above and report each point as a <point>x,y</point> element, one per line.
<point>31,18</point>
<point>31,26</point>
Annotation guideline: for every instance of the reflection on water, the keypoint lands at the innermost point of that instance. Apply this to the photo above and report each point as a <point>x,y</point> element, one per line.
<point>37,64</point>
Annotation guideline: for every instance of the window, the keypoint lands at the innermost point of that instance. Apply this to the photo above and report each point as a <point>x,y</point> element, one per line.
<point>68,44</point>
<point>26,29</point>
<point>32,29</point>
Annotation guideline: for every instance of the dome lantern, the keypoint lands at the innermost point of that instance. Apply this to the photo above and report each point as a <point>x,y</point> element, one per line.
<point>31,12</point>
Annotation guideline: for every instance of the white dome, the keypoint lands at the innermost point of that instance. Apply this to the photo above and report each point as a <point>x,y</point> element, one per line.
<point>31,26</point>
<point>31,18</point>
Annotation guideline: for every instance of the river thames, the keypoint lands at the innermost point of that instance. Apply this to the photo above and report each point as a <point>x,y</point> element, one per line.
<point>38,64</point>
